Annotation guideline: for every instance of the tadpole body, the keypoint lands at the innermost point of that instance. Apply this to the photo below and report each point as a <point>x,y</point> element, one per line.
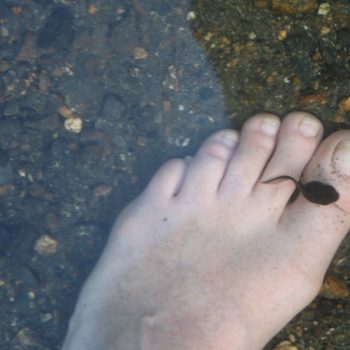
<point>314,191</point>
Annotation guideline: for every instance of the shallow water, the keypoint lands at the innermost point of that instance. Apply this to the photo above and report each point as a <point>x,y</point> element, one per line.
<point>95,96</point>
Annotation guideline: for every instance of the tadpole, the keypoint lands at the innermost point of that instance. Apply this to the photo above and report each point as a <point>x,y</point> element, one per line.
<point>314,191</point>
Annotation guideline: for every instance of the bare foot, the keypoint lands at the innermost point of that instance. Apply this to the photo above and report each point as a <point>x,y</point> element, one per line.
<point>209,257</point>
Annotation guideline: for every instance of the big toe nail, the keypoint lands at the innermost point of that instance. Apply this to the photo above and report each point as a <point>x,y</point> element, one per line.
<point>341,159</point>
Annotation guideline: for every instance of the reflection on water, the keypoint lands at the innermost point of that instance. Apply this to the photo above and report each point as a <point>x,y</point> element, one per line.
<point>95,96</point>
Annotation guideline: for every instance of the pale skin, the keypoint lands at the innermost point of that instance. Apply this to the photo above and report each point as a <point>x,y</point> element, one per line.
<point>209,257</point>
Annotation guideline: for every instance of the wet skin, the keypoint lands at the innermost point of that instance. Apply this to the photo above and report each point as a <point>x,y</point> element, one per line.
<point>314,191</point>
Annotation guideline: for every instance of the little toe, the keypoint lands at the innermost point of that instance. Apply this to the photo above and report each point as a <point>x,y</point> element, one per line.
<point>257,142</point>
<point>317,229</point>
<point>208,166</point>
<point>166,182</point>
<point>299,135</point>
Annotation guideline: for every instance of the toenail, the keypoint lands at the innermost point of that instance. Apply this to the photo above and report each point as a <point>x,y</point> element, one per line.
<point>230,138</point>
<point>269,126</point>
<point>341,158</point>
<point>309,127</point>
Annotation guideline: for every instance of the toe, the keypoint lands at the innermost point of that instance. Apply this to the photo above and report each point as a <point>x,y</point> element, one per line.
<point>207,168</point>
<point>166,182</point>
<point>255,147</point>
<point>299,135</point>
<point>319,229</point>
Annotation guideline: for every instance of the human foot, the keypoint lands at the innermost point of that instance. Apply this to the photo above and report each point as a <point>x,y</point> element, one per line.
<point>208,256</point>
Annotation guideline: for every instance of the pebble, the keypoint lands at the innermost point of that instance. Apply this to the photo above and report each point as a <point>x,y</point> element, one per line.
<point>28,52</point>
<point>46,317</point>
<point>140,53</point>
<point>313,98</point>
<point>102,191</point>
<point>334,288</point>
<point>261,3</point>
<point>324,9</point>
<point>73,122</point>
<point>285,345</point>
<point>74,125</point>
<point>344,104</point>
<point>282,35</point>
<point>191,16</point>
<point>65,112</point>
<point>45,245</point>
<point>325,30</point>
<point>26,338</point>
<point>294,6</point>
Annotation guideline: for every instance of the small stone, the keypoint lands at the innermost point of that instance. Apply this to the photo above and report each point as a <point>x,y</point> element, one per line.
<point>45,245</point>
<point>285,345</point>
<point>4,31</point>
<point>31,295</point>
<point>294,6</point>
<point>338,117</point>
<point>5,189</point>
<point>27,52</point>
<point>344,104</point>
<point>140,53</point>
<point>292,338</point>
<point>102,191</point>
<point>299,331</point>
<point>191,16</point>
<point>92,10</point>
<point>260,3</point>
<point>313,98</point>
<point>325,30</point>
<point>282,34</point>
<point>73,125</point>
<point>208,36</point>
<point>167,106</point>
<point>46,317</point>
<point>16,10</point>
<point>252,36</point>
<point>65,112</point>
<point>334,288</point>
<point>26,337</point>
<point>324,9</point>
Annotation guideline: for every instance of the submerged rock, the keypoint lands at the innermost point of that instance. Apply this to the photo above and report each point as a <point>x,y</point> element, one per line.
<point>58,30</point>
<point>294,6</point>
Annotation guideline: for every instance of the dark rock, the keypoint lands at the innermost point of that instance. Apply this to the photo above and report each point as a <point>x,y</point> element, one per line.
<point>205,93</point>
<point>38,103</point>
<point>6,239</point>
<point>300,44</point>
<point>110,117</point>
<point>4,10</point>
<point>300,48</point>
<point>6,174</point>
<point>343,39</point>
<point>7,52</point>
<point>57,32</point>
<point>11,108</point>
<point>112,106</point>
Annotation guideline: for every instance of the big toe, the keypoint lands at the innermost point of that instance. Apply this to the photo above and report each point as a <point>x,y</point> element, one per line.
<point>331,165</point>
<point>316,230</point>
